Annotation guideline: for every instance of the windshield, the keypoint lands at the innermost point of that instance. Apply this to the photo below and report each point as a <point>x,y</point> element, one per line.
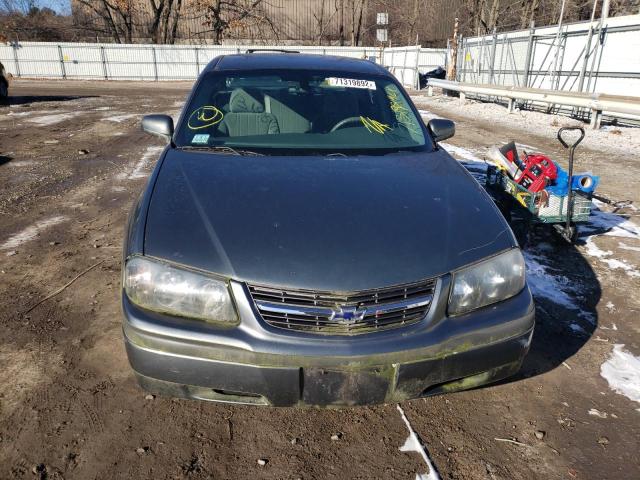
<point>304,111</point>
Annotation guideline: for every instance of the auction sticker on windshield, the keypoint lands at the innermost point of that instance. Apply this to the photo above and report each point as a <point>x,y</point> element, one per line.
<point>351,83</point>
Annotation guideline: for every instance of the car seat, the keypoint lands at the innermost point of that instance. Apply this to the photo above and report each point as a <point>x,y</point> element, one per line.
<point>246,116</point>
<point>289,120</point>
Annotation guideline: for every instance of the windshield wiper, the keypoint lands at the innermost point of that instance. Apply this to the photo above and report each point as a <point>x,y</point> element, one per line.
<point>219,149</point>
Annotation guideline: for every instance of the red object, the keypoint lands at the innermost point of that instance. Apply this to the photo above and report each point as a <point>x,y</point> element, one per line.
<point>538,172</point>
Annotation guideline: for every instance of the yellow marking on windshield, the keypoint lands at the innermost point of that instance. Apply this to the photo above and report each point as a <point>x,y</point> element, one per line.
<point>205,116</point>
<point>374,126</point>
<point>402,113</point>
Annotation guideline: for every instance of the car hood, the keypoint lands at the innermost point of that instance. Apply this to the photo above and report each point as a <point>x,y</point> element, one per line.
<point>325,223</point>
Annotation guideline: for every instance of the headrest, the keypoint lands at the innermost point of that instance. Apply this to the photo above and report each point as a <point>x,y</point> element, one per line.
<point>242,102</point>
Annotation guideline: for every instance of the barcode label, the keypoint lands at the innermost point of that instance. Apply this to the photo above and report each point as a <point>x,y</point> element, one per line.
<point>351,83</point>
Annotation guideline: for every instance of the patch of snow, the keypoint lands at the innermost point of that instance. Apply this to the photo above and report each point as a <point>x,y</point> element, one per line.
<point>121,118</point>
<point>613,263</point>
<point>102,109</point>
<point>19,114</point>
<point>138,169</point>
<point>578,329</point>
<point>413,444</point>
<point>624,246</point>
<point>461,153</point>
<point>30,232</point>
<point>622,372</point>
<point>528,148</point>
<point>627,143</point>
<point>602,223</point>
<point>597,413</point>
<point>547,284</point>
<point>52,119</point>
<point>22,163</point>
<point>427,115</point>
<point>610,224</point>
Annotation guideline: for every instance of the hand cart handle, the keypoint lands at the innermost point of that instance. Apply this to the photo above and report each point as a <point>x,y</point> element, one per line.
<point>564,144</point>
<point>568,229</point>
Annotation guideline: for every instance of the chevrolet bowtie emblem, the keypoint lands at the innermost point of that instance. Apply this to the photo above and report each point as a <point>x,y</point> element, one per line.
<point>348,315</point>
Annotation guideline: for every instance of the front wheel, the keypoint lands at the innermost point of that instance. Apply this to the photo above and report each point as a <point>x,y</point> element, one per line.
<point>4,90</point>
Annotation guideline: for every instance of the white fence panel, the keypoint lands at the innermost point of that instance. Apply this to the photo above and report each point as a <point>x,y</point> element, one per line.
<point>40,62</point>
<point>184,62</point>
<point>7,58</point>
<point>130,63</point>
<point>82,62</point>
<point>176,64</point>
<point>503,60</point>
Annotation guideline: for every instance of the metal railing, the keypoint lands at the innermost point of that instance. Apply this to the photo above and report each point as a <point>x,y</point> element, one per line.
<point>597,103</point>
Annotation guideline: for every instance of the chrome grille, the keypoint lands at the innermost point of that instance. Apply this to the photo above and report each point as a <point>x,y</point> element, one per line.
<point>343,314</point>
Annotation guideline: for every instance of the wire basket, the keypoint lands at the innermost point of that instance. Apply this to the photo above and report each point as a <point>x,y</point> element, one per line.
<point>545,207</point>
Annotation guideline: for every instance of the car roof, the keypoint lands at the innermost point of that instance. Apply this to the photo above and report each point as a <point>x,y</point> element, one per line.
<point>294,61</point>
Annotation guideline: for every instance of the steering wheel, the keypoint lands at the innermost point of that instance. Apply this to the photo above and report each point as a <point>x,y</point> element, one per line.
<point>343,122</point>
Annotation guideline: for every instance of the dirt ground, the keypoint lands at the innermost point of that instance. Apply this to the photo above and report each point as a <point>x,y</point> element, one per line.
<point>72,161</point>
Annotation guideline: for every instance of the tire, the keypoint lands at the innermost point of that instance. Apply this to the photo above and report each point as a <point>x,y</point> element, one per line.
<point>4,90</point>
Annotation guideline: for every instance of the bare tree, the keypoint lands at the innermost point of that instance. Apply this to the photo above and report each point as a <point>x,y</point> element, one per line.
<point>224,17</point>
<point>323,19</point>
<point>24,20</point>
<point>116,16</point>
<point>528,11</point>
<point>164,21</point>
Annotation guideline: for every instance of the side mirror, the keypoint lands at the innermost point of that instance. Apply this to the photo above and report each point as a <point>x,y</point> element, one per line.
<point>441,129</point>
<point>161,125</point>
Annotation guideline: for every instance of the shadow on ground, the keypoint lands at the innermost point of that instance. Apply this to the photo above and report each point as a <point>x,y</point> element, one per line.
<point>565,287</point>
<point>26,99</point>
<point>4,159</point>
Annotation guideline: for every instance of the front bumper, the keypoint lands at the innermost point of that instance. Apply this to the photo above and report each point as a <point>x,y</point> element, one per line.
<point>254,363</point>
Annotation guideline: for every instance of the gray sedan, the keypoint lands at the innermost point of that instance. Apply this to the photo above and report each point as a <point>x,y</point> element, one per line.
<point>303,240</point>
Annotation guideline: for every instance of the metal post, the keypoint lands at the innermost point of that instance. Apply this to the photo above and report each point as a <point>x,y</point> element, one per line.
<point>447,56</point>
<point>404,67</point>
<point>417,74</point>
<point>155,64</point>
<point>104,63</point>
<point>557,39</point>
<point>587,48</point>
<point>15,58</point>
<point>480,58</point>
<point>505,46</point>
<point>527,60</point>
<point>603,17</point>
<point>493,56</point>
<point>462,59</point>
<point>197,51</point>
<point>563,42</point>
<point>596,118</point>
<point>62,69</point>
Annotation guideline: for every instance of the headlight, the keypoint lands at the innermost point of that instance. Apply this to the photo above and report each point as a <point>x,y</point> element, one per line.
<point>487,282</point>
<point>162,287</point>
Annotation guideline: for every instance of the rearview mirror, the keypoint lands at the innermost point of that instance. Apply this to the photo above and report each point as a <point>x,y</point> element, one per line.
<point>441,129</point>
<point>161,125</point>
